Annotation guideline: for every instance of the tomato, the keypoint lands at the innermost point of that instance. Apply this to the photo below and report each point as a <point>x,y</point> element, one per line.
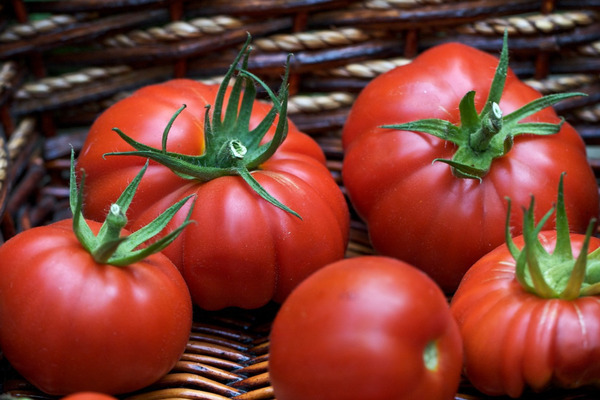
<point>70,324</point>
<point>368,327</point>
<point>403,182</point>
<point>89,396</point>
<point>526,329</point>
<point>78,314</point>
<point>246,248</point>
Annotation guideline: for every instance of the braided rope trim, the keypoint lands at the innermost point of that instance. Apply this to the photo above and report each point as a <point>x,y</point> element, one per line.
<point>3,163</point>
<point>175,31</point>
<point>298,104</point>
<point>365,70</point>
<point>36,28</point>
<point>562,83</point>
<point>401,4</point>
<point>8,71</point>
<point>11,149</point>
<point>47,86</point>
<point>590,49</point>
<point>311,40</point>
<point>589,114</point>
<point>20,137</point>
<point>530,24</point>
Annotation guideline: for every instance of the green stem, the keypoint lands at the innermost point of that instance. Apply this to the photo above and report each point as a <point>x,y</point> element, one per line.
<point>108,246</point>
<point>111,236</point>
<point>557,274</point>
<point>577,277</point>
<point>481,138</point>
<point>491,125</point>
<point>237,150</point>
<point>231,147</point>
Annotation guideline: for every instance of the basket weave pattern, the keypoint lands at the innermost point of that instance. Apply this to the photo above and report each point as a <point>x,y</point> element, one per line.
<point>63,62</point>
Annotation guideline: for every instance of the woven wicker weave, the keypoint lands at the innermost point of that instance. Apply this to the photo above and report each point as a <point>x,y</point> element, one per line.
<point>63,62</point>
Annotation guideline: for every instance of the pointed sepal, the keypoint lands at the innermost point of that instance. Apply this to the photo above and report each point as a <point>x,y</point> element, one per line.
<point>557,274</point>
<point>108,246</point>
<point>482,137</point>
<point>231,147</point>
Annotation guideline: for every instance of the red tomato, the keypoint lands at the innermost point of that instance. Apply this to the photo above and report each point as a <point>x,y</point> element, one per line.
<point>243,251</point>
<point>515,339</point>
<point>416,209</point>
<point>70,324</point>
<point>89,396</point>
<point>365,328</point>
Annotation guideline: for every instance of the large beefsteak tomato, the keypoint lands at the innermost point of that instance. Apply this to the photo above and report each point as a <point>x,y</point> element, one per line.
<point>362,328</point>
<point>436,199</point>
<point>529,311</point>
<point>269,212</point>
<point>82,308</point>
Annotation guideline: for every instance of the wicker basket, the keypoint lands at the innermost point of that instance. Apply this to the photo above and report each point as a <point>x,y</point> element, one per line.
<point>63,62</point>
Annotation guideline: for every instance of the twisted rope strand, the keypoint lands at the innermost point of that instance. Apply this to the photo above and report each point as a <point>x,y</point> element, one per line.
<point>20,137</point>
<point>562,83</point>
<point>8,71</point>
<point>590,49</point>
<point>400,4</point>
<point>298,104</point>
<point>35,28</point>
<point>365,70</point>
<point>46,86</point>
<point>175,31</point>
<point>3,163</point>
<point>530,24</point>
<point>321,102</point>
<point>590,114</point>
<point>311,40</point>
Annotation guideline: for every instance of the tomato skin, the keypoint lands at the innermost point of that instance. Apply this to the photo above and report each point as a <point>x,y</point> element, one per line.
<point>357,329</point>
<point>235,227</point>
<point>514,339</point>
<point>89,396</point>
<point>414,206</point>
<point>70,324</point>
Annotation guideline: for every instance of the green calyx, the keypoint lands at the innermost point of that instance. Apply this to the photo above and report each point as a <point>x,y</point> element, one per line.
<point>482,137</point>
<point>231,148</point>
<point>108,246</point>
<point>557,274</point>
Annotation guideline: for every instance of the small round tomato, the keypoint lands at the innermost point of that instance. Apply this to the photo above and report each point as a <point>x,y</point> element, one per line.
<point>365,328</point>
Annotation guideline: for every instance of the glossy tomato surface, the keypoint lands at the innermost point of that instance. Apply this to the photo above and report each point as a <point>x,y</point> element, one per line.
<point>415,208</point>
<point>514,340</point>
<point>69,324</point>
<point>365,328</point>
<point>89,396</point>
<point>242,251</point>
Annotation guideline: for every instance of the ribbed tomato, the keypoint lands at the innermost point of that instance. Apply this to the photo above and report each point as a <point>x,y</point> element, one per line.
<point>436,199</point>
<point>529,311</point>
<point>268,211</point>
